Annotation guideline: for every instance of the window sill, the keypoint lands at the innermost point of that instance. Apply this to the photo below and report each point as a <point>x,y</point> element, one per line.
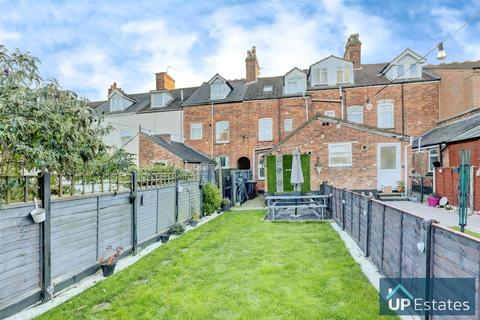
<point>271,140</point>
<point>222,142</point>
<point>193,139</point>
<point>341,166</point>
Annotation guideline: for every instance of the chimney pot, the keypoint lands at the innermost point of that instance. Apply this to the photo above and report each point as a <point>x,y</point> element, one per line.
<point>353,51</point>
<point>164,81</point>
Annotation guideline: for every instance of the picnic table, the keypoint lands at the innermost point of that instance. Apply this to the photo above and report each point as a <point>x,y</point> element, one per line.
<point>316,202</point>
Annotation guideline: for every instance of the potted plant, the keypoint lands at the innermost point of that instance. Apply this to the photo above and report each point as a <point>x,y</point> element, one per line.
<point>226,204</point>
<point>194,219</point>
<point>164,237</point>
<point>400,186</point>
<point>177,229</point>
<point>108,260</point>
<point>433,200</point>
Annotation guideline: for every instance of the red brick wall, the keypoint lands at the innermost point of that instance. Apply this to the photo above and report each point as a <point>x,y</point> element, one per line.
<point>455,148</point>
<point>314,139</point>
<point>149,152</point>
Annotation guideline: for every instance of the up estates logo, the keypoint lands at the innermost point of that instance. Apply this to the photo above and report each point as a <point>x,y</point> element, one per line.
<point>399,303</point>
<point>420,296</point>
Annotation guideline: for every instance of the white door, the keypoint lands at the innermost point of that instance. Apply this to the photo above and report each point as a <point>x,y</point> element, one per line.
<point>389,170</point>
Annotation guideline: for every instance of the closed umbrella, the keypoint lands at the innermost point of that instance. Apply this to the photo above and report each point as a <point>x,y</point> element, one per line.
<point>296,177</point>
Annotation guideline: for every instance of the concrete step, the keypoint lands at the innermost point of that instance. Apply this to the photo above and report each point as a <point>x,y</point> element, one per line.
<point>393,198</point>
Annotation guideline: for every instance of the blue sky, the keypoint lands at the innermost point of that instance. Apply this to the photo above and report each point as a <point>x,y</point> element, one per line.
<point>88,45</point>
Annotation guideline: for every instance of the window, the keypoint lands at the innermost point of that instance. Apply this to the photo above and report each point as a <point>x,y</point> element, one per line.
<point>295,85</point>
<point>324,76</point>
<point>388,157</point>
<point>218,90</point>
<point>400,70</point>
<point>343,74</point>
<point>261,167</point>
<point>160,99</point>
<point>222,131</point>
<point>116,103</point>
<point>223,161</point>
<point>433,156</point>
<point>195,131</point>
<point>265,131</point>
<point>267,88</point>
<point>320,76</point>
<point>340,154</point>
<point>288,124</point>
<point>385,115</point>
<point>330,113</point>
<point>355,114</point>
<point>413,70</point>
<point>125,136</point>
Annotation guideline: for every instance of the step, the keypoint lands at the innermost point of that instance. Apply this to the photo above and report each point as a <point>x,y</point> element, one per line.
<point>395,198</point>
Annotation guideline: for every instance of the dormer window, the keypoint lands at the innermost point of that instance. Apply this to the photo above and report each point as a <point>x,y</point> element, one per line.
<point>343,74</point>
<point>407,65</point>
<point>119,102</point>
<point>161,99</point>
<point>218,90</point>
<point>295,81</point>
<point>320,76</point>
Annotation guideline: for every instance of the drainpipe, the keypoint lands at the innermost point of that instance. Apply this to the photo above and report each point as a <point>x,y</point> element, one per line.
<point>342,102</point>
<point>182,139</point>
<point>403,112</point>
<point>213,141</point>
<point>306,106</point>
<point>405,179</point>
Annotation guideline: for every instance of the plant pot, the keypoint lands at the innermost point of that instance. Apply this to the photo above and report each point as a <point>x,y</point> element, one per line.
<point>193,223</point>
<point>226,208</point>
<point>433,201</point>
<point>400,189</point>
<point>164,237</point>
<point>107,269</point>
<point>38,215</point>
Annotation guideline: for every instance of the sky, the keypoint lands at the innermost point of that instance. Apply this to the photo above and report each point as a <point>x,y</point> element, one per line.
<point>87,45</point>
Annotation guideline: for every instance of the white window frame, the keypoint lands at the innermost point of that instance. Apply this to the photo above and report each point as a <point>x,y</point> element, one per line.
<point>267,125</point>
<point>299,83</point>
<point>330,113</point>
<point>333,145</point>
<point>226,162</point>
<point>125,136</point>
<point>218,135</point>
<point>430,156</point>
<point>323,72</point>
<point>116,103</point>
<point>261,166</point>
<point>193,127</point>
<point>399,73</point>
<point>345,74</point>
<point>267,88</point>
<point>217,90</point>
<point>355,110</point>
<point>288,125</point>
<point>381,108</point>
<point>163,99</point>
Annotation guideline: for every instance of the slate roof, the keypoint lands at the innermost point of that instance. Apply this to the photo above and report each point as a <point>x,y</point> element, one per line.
<point>181,150</point>
<point>202,94</point>
<point>143,102</point>
<point>463,129</point>
<point>455,65</point>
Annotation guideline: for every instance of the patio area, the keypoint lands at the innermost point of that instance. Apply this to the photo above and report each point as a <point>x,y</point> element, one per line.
<point>448,218</point>
<point>236,267</point>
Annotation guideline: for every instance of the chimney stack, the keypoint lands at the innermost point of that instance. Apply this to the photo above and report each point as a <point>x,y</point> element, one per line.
<point>164,81</point>
<point>353,51</point>
<point>251,65</point>
<point>112,88</point>
<point>166,137</point>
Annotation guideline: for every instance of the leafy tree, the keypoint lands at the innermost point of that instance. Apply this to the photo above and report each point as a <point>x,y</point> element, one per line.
<point>44,127</point>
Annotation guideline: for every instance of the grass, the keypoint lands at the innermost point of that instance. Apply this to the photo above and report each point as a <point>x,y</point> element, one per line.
<point>236,267</point>
<point>469,232</point>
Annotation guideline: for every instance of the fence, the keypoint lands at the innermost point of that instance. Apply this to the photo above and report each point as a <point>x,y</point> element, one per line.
<point>39,259</point>
<point>446,184</point>
<point>403,245</point>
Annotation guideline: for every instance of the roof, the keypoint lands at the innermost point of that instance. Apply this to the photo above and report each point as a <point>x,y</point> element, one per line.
<point>455,65</point>
<point>358,126</point>
<point>142,102</point>
<point>181,150</point>
<point>202,94</point>
<point>464,129</point>
<point>405,52</point>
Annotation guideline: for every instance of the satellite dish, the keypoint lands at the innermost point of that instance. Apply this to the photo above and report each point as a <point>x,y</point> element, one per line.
<point>443,201</point>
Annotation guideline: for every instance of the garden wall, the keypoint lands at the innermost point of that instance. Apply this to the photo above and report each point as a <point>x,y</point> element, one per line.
<point>404,245</point>
<point>66,248</point>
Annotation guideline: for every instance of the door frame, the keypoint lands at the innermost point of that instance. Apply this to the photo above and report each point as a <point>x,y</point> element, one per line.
<point>398,160</point>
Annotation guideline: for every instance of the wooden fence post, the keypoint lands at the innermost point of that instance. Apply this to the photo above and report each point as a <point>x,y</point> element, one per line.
<point>134,212</point>
<point>367,227</point>
<point>428,238</point>
<point>176,195</point>
<point>45,238</point>
<point>343,209</point>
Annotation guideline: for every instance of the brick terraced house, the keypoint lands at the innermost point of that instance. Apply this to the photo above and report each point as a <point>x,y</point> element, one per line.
<point>238,121</point>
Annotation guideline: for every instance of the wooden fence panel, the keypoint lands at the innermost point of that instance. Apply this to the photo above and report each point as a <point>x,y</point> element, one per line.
<point>413,260</point>
<point>377,233</point>
<point>146,215</point>
<point>115,222</point>
<point>348,211</point>
<point>73,236</point>
<point>392,242</point>
<point>165,209</point>
<point>19,254</point>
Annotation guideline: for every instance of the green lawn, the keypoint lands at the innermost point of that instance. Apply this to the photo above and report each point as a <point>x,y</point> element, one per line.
<point>236,267</point>
<point>471,233</point>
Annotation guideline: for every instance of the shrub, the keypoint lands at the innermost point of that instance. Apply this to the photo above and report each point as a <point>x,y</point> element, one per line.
<point>225,202</point>
<point>177,229</point>
<point>211,198</point>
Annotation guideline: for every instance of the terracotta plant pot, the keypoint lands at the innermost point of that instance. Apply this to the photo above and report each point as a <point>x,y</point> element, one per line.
<point>433,201</point>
